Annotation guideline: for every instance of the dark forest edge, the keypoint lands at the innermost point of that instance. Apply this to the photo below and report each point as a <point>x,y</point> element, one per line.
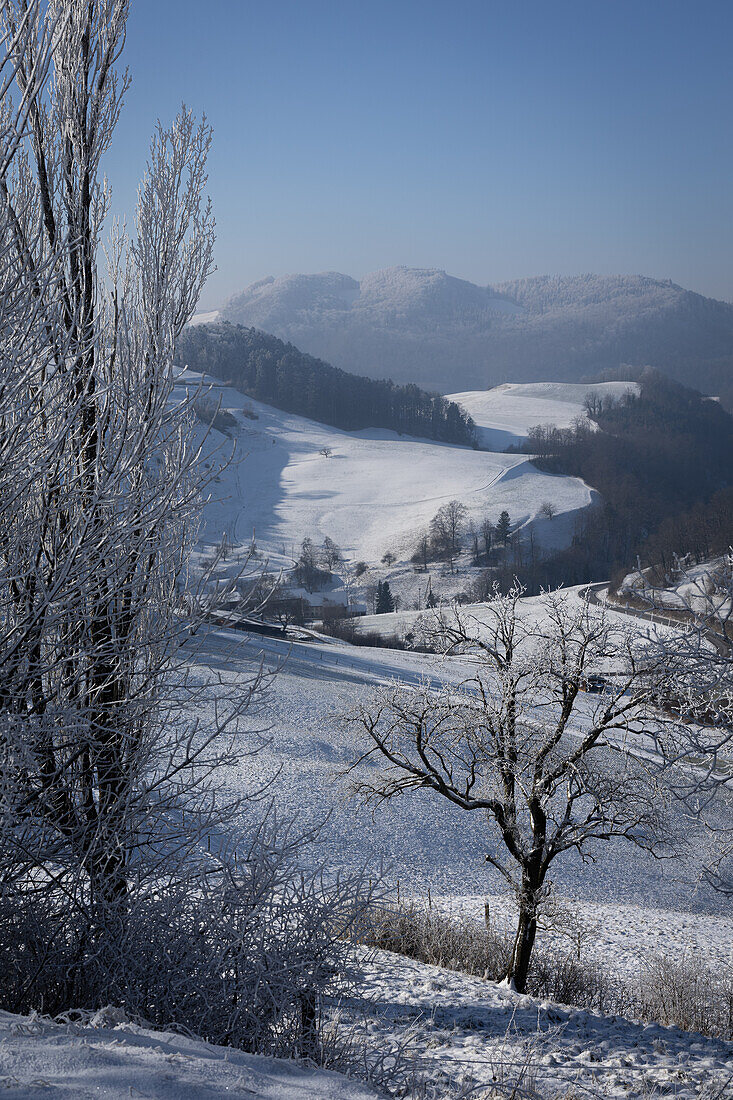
<point>278,374</point>
<point>663,464</point>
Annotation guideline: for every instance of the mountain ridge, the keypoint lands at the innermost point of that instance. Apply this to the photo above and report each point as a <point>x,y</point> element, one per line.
<point>425,326</point>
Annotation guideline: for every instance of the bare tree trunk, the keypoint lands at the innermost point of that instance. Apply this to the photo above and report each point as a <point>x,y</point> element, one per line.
<point>518,969</point>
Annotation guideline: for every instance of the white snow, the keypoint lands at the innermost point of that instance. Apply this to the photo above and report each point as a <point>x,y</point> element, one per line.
<point>505,414</point>
<point>205,318</point>
<point>701,587</point>
<point>118,1060</point>
<point>375,492</point>
<point>419,838</point>
<point>475,1033</point>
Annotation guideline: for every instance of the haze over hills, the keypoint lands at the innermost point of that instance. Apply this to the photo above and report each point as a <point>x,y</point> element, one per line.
<point>424,326</point>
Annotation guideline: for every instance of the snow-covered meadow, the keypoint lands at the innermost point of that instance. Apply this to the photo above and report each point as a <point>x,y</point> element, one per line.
<point>108,1057</point>
<point>463,1029</point>
<point>373,492</point>
<point>504,415</point>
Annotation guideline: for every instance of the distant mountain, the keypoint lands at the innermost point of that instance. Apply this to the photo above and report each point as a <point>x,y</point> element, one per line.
<point>424,326</point>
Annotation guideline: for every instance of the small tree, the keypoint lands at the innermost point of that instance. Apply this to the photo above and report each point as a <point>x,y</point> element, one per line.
<point>446,528</point>
<point>330,554</point>
<point>384,600</point>
<point>360,569</point>
<point>593,405</point>
<point>515,745</point>
<point>503,528</point>
<point>388,558</point>
<point>548,509</point>
<point>326,452</point>
<point>307,571</point>
<point>421,554</point>
<point>487,536</point>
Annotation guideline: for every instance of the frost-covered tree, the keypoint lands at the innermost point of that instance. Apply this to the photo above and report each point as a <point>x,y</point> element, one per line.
<point>107,893</point>
<point>523,745</point>
<point>697,752</point>
<point>99,480</point>
<point>446,529</point>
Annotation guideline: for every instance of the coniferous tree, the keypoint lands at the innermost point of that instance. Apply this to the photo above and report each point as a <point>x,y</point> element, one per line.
<point>385,600</point>
<point>278,374</point>
<point>503,528</point>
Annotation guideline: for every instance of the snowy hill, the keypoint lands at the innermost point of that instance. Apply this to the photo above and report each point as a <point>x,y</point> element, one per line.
<point>425,326</point>
<point>504,415</point>
<point>372,492</point>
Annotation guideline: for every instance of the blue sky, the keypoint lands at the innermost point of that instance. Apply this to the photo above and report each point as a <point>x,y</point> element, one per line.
<point>495,140</point>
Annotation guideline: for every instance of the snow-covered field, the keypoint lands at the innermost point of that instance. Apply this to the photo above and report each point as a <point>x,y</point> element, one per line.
<point>110,1058</point>
<point>460,1031</point>
<point>463,1029</point>
<point>504,415</point>
<point>402,622</point>
<point>374,492</point>
<point>419,838</point>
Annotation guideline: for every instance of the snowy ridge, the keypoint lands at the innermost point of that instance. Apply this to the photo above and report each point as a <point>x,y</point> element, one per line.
<point>423,325</point>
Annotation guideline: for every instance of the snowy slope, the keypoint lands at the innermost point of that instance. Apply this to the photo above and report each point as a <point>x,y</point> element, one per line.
<point>205,318</point>
<point>107,1060</point>
<point>375,492</point>
<point>504,415</point>
<point>471,1032</point>
<point>420,838</point>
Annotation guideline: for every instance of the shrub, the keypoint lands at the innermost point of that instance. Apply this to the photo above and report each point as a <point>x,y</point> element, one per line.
<point>685,993</point>
<point>209,412</point>
<point>241,957</point>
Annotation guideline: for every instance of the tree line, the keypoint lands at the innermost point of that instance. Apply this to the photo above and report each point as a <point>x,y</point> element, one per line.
<point>662,454</point>
<point>276,373</point>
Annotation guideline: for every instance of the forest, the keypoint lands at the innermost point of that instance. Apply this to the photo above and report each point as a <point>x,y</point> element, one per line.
<point>269,370</point>
<point>663,464</point>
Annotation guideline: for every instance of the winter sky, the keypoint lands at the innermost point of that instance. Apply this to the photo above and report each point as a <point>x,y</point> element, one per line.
<point>493,139</point>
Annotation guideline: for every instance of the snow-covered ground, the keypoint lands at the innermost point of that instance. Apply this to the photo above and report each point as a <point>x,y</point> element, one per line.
<point>472,1033</point>
<point>402,622</point>
<point>421,840</point>
<point>109,1058</point>
<point>622,936</point>
<point>375,491</point>
<point>205,318</point>
<point>504,415</point>
<point>701,587</point>
<point>462,1029</point>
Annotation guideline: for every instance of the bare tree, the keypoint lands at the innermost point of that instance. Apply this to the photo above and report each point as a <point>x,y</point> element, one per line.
<point>487,536</point>
<point>330,553</point>
<point>421,554</point>
<point>446,528</point>
<point>593,405</point>
<point>522,744</point>
<point>548,509</point>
